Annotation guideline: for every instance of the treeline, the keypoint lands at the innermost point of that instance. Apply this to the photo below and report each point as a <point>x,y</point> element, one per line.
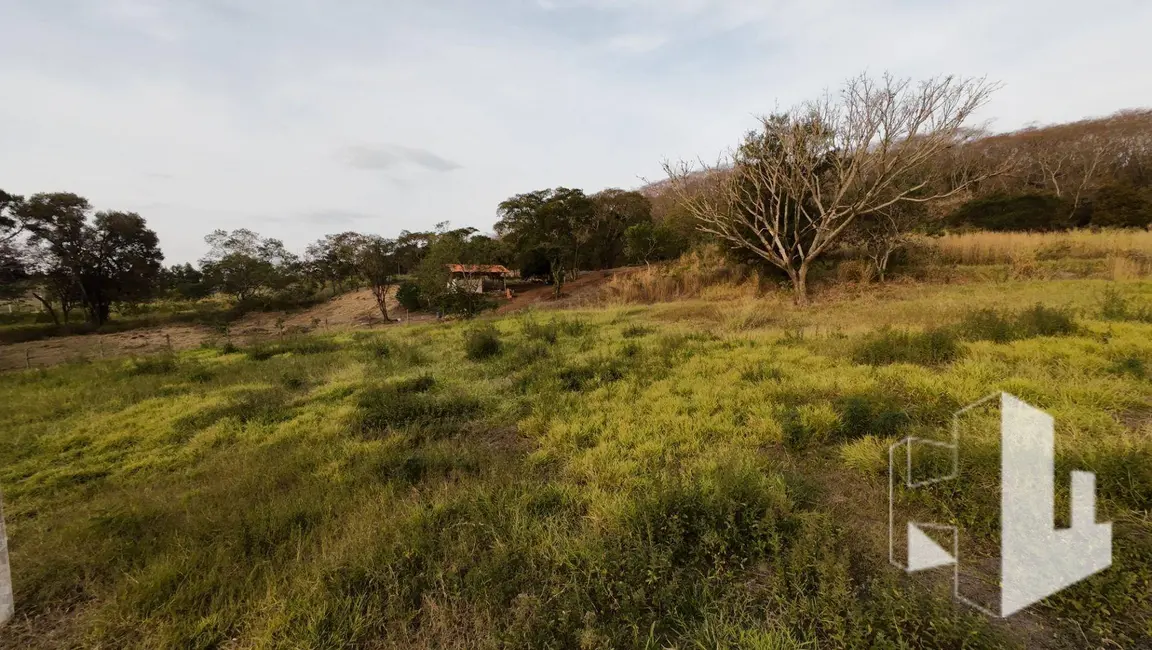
<point>860,173</point>
<point>1090,173</point>
<point>56,249</point>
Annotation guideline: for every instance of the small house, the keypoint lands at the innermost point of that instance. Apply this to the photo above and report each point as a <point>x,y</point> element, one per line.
<point>478,277</point>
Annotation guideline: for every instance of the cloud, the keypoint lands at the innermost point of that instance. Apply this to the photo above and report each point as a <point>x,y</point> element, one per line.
<point>333,217</point>
<point>280,108</point>
<point>390,156</point>
<point>637,43</point>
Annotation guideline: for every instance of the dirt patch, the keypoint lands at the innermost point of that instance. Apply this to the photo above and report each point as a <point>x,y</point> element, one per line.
<point>540,295</point>
<point>354,310</point>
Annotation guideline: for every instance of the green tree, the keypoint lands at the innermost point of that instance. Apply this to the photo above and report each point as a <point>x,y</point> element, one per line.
<point>648,242</point>
<point>334,258</point>
<point>1121,206</point>
<point>550,223</point>
<point>615,211</point>
<point>242,263</point>
<point>11,216</point>
<point>112,257</point>
<point>184,281</point>
<point>376,263</point>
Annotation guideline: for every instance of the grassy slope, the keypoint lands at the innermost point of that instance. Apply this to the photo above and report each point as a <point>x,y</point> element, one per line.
<point>694,474</point>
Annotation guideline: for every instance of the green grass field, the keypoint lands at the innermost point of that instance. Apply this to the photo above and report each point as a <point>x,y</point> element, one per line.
<point>690,475</point>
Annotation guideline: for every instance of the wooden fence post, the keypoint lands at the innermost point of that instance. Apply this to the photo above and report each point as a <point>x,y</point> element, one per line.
<point>168,340</point>
<point>27,357</point>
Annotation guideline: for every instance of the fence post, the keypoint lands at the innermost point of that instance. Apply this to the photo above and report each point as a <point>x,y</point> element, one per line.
<point>27,357</point>
<point>101,347</point>
<point>168,340</point>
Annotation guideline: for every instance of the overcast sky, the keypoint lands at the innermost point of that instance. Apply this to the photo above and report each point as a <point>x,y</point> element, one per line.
<point>297,118</point>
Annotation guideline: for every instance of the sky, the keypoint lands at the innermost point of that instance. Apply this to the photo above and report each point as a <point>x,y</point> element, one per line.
<point>298,118</point>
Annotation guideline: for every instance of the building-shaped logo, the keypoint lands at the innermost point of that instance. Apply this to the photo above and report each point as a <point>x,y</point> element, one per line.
<point>1036,558</point>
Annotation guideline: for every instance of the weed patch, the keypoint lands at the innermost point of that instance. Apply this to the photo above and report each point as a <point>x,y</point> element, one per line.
<point>482,342</point>
<point>391,408</point>
<point>1004,326</point>
<point>931,347</point>
<point>299,346</point>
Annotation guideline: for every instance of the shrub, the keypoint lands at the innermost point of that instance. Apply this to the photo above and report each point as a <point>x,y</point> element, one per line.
<point>482,342</point>
<point>931,347</point>
<point>987,325</point>
<point>1004,212</point>
<point>464,303</point>
<point>1044,321</point>
<point>409,297</point>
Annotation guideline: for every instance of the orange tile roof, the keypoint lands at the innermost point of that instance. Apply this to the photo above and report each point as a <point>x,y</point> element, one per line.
<point>477,268</point>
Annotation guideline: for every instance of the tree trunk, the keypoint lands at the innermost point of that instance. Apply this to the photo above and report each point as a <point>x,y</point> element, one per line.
<point>557,278</point>
<point>381,295</point>
<point>800,285</point>
<point>48,308</point>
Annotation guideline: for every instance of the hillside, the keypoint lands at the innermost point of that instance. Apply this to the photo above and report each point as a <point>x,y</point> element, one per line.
<point>702,473</point>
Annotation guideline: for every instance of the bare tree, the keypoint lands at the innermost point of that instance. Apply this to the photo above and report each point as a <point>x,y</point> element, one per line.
<point>795,185</point>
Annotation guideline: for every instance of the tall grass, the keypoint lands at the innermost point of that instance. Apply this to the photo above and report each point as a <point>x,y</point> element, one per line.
<point>1005,247</point>
<point>699,273</point>
<point>609,479</point>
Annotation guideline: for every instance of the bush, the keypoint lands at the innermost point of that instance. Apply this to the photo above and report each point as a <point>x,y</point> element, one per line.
<point>409,296</point>
<point>1044,321</point>
<point>931,347</point>
<point>464,303</point>
<point>482,342</point>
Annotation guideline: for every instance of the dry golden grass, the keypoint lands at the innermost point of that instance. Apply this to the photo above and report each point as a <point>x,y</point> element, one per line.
<point>1010,248</point>
<point>699,274</point>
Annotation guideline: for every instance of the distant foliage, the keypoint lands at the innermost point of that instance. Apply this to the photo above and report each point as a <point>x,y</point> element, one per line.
<point>1001,212</point>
